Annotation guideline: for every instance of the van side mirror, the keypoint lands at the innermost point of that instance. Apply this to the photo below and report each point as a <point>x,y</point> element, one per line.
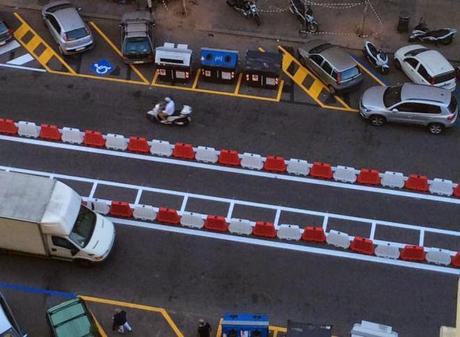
<point>394,110</point>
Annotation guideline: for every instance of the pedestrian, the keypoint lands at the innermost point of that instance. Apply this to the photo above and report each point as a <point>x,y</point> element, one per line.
<point>120,323</point>
<point>204,328</point>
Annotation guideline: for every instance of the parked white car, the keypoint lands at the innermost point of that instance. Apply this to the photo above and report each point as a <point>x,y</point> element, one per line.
<point>425,66</point>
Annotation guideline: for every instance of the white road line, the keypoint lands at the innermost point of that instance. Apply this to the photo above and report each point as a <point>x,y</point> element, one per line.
<point>184,203</point>
<point>421,240</point>
<point>138,196</point>
<point>262,174</point>
<point>9,47</point>
<point>372,234</point>
<point>19,61</point>
<point>325,221</point>
<point>287,246</point>
<point>324,215</point>
<point>22,68</point>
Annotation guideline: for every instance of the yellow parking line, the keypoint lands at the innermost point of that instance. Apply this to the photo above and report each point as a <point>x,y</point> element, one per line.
<point>21,31</point>
<point>280,90</point>
<point>219,329</point>
<point>197,76</point>
<point>300,75</point>
<point>370,73</point>
<point>110,43</point>
<point>99,327</point>
<point>24,23</point>
<point>316,88</point>
<point>45,56</point>
<point>261,50</point>
<point>33,43</point>
<point>238,84</point>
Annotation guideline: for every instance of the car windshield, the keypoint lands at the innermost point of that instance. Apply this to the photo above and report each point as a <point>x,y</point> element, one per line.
<point>453,104</point>
<point>392,95</point>
<point>77,34</point>
<point>349,73</point>
<point>3,28</point>
<point>444,77</point>
<point>137,45</point>
<point>84,227</point>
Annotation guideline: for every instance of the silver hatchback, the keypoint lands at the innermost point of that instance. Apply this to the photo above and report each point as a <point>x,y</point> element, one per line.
<point>409,103</point>
<point>67,27</point>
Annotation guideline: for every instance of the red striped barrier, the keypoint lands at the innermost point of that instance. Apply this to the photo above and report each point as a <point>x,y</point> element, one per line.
<point>417,183</point>
<point>183,151</point>
<point>50,132</point>
<point>121,209</point>
<point>93,138</point>
<point>413,253</point>
<point>229,157</point>
<point>216,223</point>
<point>7,126</point>
<point>362,245</point>
<point>264,229</point>
<point>314,234</point>
<point>321,170</point>
<point>138,144</point>
<point>168,215</point>
<point>275,164</point>
<point>369,177</point>
<point>457,191</point>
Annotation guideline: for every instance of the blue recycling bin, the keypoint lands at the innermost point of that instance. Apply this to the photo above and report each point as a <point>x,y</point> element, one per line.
<point>218,65</point>
<point>245,325</point>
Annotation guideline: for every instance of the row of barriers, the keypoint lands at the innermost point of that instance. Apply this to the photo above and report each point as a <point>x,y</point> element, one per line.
<point>271,163</point>
<point>268,230</point>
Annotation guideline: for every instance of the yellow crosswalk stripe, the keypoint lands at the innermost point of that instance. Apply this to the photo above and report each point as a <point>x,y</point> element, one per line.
<point>33,43</point>
<point>21,31</point>
<point>300,75</point>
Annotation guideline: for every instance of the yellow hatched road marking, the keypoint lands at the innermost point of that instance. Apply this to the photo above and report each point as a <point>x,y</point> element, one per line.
<point>99,326</point>
<point>20,31</point>
<point>316,88</point>
<point>300,75</point>
<point>287,59</point>
<point>33,43</point>
<point>45,56</point>
<point>118,51</point>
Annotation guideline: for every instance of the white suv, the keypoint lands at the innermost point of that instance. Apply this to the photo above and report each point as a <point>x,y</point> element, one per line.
<point>425,66</point>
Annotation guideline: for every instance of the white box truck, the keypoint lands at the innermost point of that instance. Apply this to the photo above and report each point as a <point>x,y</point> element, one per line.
<point>43,216</point>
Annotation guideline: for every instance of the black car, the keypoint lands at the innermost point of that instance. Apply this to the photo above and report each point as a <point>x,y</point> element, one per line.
<point>6,34</point>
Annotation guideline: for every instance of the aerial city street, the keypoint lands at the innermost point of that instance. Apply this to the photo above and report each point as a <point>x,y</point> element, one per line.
<point>229,168</point>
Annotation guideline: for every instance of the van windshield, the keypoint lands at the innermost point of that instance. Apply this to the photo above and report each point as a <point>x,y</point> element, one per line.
<point>137,45</point>
<point>84,227</point>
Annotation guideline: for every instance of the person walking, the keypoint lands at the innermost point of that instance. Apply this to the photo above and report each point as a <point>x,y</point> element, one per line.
<point>120,322</point>
<point>204,328</point>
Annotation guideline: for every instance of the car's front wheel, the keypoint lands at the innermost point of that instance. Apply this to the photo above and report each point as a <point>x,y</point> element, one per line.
<point>377,120</point>
<point>435,128</point>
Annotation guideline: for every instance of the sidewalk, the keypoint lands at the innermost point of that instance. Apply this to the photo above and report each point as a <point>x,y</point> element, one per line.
<point>339,20</point>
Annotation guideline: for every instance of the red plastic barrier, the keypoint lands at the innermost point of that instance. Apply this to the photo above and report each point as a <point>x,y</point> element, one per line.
<point>369,177</point>
<point>321,170</point>
<point>456,260</point>
<point>138,144</point>
<point>50,132</point>
<point>314,234</point>
<point>121,208</point>
<point>216,223</point>
<point>93,138</point>
<point>275,164</point>
<point>413,253</point>
<point>7,126</point>
<point>184,151</point>
<point>264,229</point>
<point>362,245</point>
<point>229,157</point>
<point>417,183</point>
<point>457,191</point>
<point>168,215</point>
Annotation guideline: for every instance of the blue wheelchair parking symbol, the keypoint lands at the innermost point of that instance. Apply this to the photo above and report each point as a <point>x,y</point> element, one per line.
<point>101,67</point>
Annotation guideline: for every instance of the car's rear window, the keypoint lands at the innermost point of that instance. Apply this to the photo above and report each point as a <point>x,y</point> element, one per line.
<point>3,28</point>
<point>392,95</point>
<point>77,34</point>
<point>444,77</point>
<point>453,104</point>
<point>137,45</point>
<point>349,73</point>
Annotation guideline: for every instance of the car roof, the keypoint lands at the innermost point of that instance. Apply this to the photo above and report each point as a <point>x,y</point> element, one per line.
<point>435,62</point>
<point>67,15</point>
<point>412,91</point>
<point>338,57</point>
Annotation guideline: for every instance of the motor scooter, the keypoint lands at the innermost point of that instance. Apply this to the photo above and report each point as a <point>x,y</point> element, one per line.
<point>305,15</point>
<point>423,34</point>
<point>377,57</point>
<point>180,117</point>
<point>247,8</point>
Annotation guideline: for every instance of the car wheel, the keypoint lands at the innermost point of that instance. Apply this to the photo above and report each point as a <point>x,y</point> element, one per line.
<point>435,128</point>
<point>332,89</point>
<point>377,120</point>
<point>397,64</point>
<point>446,41</point>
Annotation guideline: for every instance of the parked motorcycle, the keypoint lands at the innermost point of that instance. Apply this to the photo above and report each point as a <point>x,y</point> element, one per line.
<point>377,57</point>
<point>423,34</point>
<point>305,15</point>
<point>247,8</point>
<point>180,117</point>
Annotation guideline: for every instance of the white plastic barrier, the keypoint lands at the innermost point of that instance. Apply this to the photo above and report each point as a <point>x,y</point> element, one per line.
<point>116,142</point>
<point>442,187</point>
<point>99,206</point>
<point>240,226</point>
<point>193,220</point>
<point>71,135</point>
<point>387,250</point>
<point>161,148</point>
<point>252,161</point>
<point>145,212</point>
<point>438,256</point>
<point>371,329</point>
<point>338,239</point>
<point>206,154</point>
<point>28,129</point>
<point>392,179</point>
<point>289,232</point>
<point>345,174</point>
<point>298,167</point>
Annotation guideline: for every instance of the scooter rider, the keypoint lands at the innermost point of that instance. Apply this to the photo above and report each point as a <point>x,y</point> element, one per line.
<point>169,109</point>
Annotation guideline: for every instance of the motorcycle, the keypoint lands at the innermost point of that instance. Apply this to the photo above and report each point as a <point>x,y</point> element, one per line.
<point>304,14</point>
<point>180,117</point>
<point>423,34</point>
<point>377,57</point>
<point>247,8</point>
